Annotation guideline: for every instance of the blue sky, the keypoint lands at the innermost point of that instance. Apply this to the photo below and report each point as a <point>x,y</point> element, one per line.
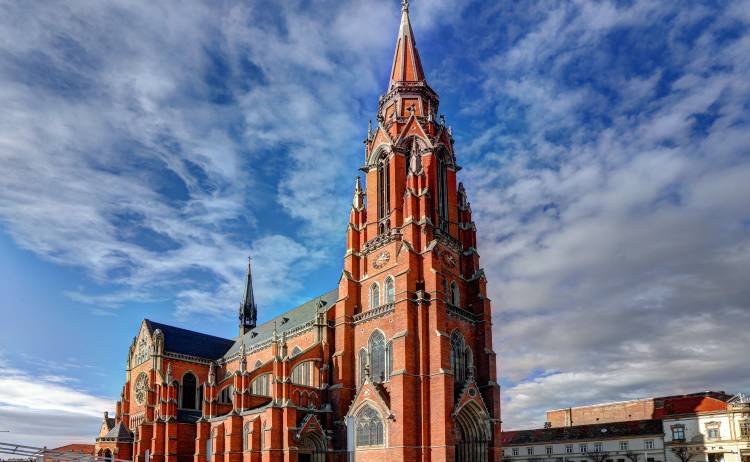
<point>146,150</point>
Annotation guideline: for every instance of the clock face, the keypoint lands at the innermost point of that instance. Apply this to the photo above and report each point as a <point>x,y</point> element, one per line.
<point>141,387</point>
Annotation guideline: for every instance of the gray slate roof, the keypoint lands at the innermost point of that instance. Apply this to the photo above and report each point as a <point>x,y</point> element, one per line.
<point>284,322</point>
<point>188,342</point>
<point>583,432</point>
<point>119,431</point>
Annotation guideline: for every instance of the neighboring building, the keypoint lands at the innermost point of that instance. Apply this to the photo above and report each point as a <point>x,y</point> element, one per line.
<point>711,430</point>
<point>633,441</point>
<point>394,364</point>
<point>698,427</point>
<point>69,453</point>
<point>638,409</point>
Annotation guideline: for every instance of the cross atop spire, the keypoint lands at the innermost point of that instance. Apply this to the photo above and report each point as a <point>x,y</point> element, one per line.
<point>248,309</point>
<point>407,67</point>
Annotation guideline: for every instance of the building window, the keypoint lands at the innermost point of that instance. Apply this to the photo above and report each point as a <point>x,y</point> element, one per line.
<point>529,451</point>
<point>568,449</point>
<point>374,296</point>
<point>376,345</point>
<point>384,194</point>
<point>678,433</point>
<point>582,448</point>
<point>515,451</point>
<point>302,374</point>
<point>712,431</point>
<point>548,450</point>
<point>648,444</point>
<point>246,436</point>
<point>369,427</point>
<point>390,290</point>
<point>455,294</point>
<point>462,358</point>
<point>745,427</point>
<point>716,457</point>
<point>624,446</point>
<point>442,189</point>
<point>225,395</point>
<point>597,447</point>
<point>260,386</point>
<point>189,391</point>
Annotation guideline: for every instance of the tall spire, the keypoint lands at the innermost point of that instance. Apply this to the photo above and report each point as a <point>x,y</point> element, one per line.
<point>407,67</point>
<point>248,309</point>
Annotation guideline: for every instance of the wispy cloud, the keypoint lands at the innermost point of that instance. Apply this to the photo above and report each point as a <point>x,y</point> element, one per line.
<point>613,223</point>
<point>47,410</point>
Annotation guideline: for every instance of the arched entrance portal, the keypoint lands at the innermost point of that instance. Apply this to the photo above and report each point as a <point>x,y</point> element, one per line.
<point>107,455</point>
<point>312,448</point>
<point>472,434</point>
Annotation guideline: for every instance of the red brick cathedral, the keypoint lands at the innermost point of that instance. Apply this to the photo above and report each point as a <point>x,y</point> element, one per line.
<point>395,364</point>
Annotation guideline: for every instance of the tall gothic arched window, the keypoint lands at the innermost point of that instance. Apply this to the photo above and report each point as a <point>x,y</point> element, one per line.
<point>455,294</point>
<point>376,345</point>
<point>246,437</point>
<point>302,374</point>
<point>369,427</point>
<point>390,290</point>
<point>189,389</point>
<point>384,193</point>
<point>362,365</point>
<point>458,357</point>
<point>260,386</point>
<point>374,295</point>
<point>442,190</point>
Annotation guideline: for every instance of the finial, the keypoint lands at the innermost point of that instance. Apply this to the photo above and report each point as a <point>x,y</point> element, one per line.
<point>358,202</point>
<point>404,5</point>
<point>369,129</point>
<point>211,374</point>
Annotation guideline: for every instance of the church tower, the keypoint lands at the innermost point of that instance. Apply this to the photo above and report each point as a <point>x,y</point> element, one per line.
<point>413,325</point>
<point>248,309</point>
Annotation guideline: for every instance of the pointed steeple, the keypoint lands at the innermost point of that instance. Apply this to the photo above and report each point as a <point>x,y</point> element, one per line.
<point>407,67</point>
<point>248,309</point>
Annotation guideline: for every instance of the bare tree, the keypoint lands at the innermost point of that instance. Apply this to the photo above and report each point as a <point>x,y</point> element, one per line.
<point>684,453</point>
<point>597,456</point>
<point>632,456</point>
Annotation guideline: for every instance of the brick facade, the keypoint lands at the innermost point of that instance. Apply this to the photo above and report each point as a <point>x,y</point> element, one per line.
<point>395,364</point>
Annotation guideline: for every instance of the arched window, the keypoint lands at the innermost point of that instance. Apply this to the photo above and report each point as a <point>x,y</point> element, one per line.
<point>374,295</point>
<point>189,391</point>
<point>362,365</point>
<point>458,346</point>
<point>302,374</point>
<point>442,190</point>
<point>376,345</point>
<point>260,386</point>
<point>369,427</point>
<point>296,350</point>
<point>225,395</point>
<point>455,294</point>
<point>390,290</point>
<point>246,436</point>
<point>384,194</point>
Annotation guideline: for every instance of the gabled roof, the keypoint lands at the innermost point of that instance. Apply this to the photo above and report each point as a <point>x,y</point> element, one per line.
<point>188,342</point>
<point>120,431</point>
<point>583,432</point>
<point>291,319</point>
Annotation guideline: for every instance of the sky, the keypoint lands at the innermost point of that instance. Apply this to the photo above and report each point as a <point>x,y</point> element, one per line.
<point>147,148</point>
